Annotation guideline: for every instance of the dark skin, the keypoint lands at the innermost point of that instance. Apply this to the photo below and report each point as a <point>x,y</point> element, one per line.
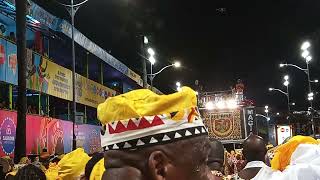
<point>216,156</point>
<point>182,160</point>
<point>254,149</point>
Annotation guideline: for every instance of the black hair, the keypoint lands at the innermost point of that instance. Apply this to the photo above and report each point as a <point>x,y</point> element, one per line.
<point>216,155</point>
<point>96,157</point>
<point>30,172</point>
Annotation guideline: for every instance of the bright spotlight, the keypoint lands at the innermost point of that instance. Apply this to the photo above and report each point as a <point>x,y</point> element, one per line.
<point>286,77</point>
<point>266,107</point>
<point>270,89</point>
<point>282,65</point>
<point>152,60</point>
<point>305,45</point>
<point>316,80</point>
<point>221,105</point>
<point>278,114</point>
<point>209,105</point>
<point>145,40</point>
<point>293,104</point>
<point>309,58</point>
<point>266,111</point>
<point>305,54</point>
<point>178,84</point>
<point>232,104</point>
<point>151,52</point>
<point>177,64</point>
<point>286,83</point>
<point>310,94</point>
<point>310,98</point>
<point>268,118</point>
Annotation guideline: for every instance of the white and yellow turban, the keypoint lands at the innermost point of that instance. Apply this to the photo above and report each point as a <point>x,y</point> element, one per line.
<point>141,117</point>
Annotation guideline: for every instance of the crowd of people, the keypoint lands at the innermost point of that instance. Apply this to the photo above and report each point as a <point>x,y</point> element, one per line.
<point>146,136</point>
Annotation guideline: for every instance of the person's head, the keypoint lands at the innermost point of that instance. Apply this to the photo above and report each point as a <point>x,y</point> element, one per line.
<point>30,172</point>
<point>254,148</point>
<point>216,156</point>
<point>96,157</point>
<point>153,137</point>
<point>184,159</point>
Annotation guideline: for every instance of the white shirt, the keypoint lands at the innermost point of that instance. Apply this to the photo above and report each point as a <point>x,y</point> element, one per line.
<point>304,165</point>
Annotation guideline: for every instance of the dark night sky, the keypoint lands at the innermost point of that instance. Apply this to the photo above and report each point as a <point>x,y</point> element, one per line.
<point>247,40</point>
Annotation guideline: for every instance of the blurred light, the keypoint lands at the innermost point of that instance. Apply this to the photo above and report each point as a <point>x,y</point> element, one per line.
<point>266,111</point>
<point>151,51</point>
<point>231,104</point>
<point>310,94</point>
<point>309,58</point>
<point>305,54</point>
<point>282,65</point>
<point>145,40</point>
<point>286,77</point>
<point>152,60</point>
<point>278,114</point>
<point>316,80</point>
<point>305,45</point>
<point>266,107</point>
<point>293,104</point>
<point>310,98</point>
<point>178,84</point>
<point>286,83</point>
<point>271,89</point>
<point>221,105</point>
<point>177,64</point>
<point>268,118</point>
<point>209,105</point>
<point>197,93</point>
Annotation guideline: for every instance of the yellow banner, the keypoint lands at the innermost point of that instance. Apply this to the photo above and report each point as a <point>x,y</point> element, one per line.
<point>91,93</point>
<point>58,80</point>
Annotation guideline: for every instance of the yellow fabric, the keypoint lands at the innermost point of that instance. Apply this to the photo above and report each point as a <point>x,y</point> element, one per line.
<point>52,172</point>
<point>98,170</point>
<point>282,154</point>
<point>144,102</point>
<point>73,164</point>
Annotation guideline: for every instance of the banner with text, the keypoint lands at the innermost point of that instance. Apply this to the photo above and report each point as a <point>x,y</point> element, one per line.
<point>55,80</point>
<point>8,123</point>
<point>224,125</point>
<point>91,93</point>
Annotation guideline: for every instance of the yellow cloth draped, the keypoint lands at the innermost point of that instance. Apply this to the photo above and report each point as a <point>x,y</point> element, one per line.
<point>282,154</point>
<point>144,102</point>
<point>98,170</point>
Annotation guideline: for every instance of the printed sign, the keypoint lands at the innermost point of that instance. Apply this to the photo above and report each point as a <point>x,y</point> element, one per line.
<point>249,121</point>
<point>7,132</point>
<point>283,132</point>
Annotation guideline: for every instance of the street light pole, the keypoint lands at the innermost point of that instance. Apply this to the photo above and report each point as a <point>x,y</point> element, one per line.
<point>72,9</point>
<point>285,93</point>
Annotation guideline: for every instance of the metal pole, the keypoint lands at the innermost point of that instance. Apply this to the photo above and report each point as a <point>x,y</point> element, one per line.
<point>151,77</point>
<point>74,142</point>
<point>288,101</point>
<point>20,142</point>
<point>312,120</point>
<point>144,63</point>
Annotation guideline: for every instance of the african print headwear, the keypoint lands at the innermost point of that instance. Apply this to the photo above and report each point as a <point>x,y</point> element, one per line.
<point>142,118</point>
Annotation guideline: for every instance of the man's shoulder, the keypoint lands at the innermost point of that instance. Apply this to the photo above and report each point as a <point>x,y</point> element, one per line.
<point>249,173</point>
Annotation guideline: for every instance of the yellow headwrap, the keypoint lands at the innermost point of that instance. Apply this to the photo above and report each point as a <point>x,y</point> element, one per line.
<point>73,164</point>
<point>98,170</point>
<point>52,172</point>
<point>282,154</point>
<point>141,117</point>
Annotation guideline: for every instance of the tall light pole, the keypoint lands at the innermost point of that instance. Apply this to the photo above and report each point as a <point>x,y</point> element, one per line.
<point>266,110</point>
<point>72,9</point>
<point>285,83</point>
<point>307,57</point>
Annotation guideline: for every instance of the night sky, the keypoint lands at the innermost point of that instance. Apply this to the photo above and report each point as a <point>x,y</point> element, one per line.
<point>217,42</point>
